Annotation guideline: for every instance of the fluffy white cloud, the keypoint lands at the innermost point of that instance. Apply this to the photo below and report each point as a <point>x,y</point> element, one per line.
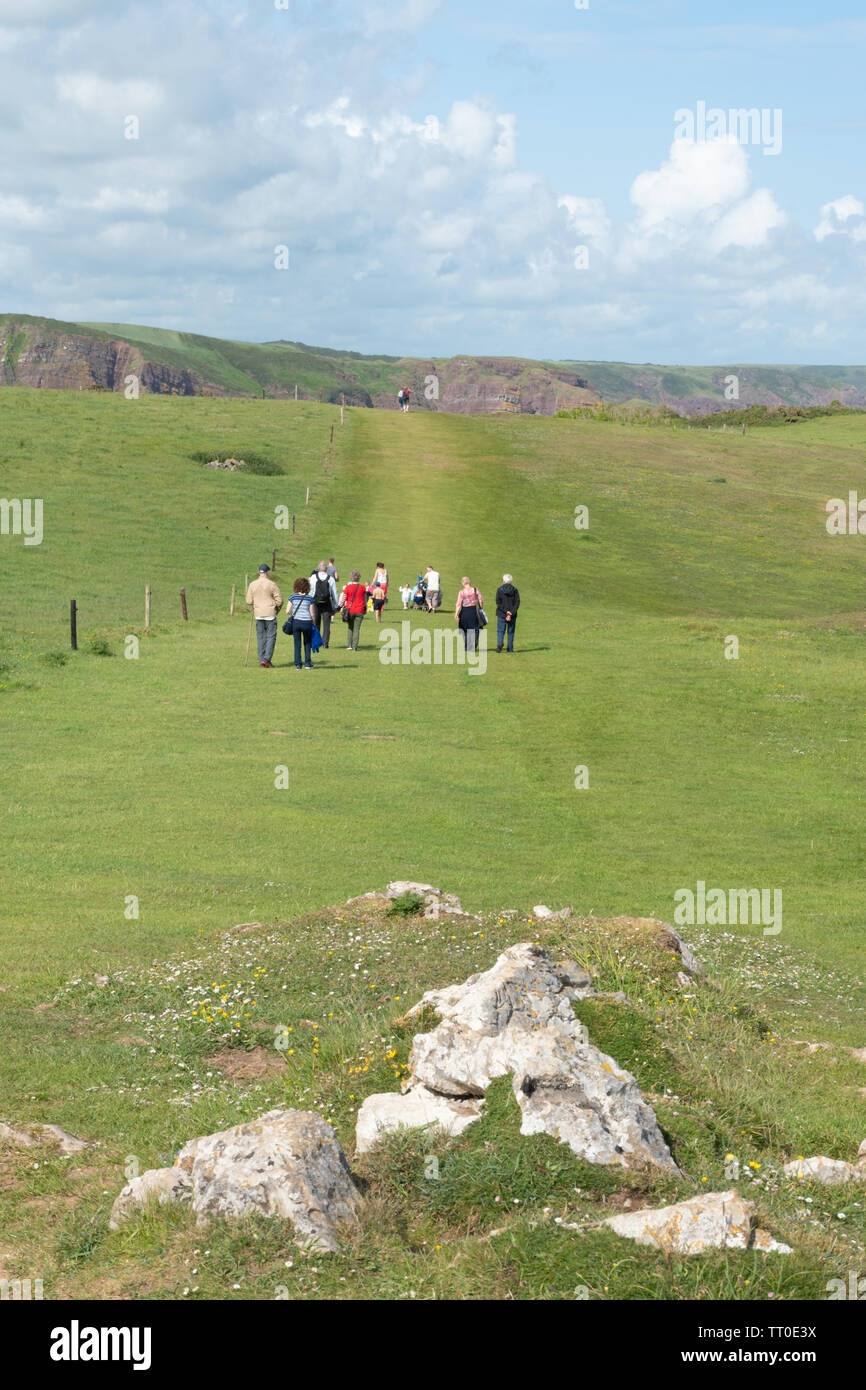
<point>836,215</point>
<point>588,218</point>
<point>397,18</point>
<point>103,97</point>
<point>698,176</point>
<point>749,222</point>
<point>19,212</point>
<point>407,232</point>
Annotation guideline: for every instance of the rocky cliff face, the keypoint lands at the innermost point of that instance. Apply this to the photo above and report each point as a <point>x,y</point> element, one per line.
<point>36,356</point>
<point>485,385</point>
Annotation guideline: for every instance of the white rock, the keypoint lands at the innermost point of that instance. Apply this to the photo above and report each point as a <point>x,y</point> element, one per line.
<point>861,1154</point>
<point>524,982</point>
<point>414,1110</point>
<point>546,914</point>
<point>594,1107</point>
<point>162,1184</point>
<point>829,1171</point>
<point>710,1221</point>
<point>287,1164</point>
<point>436,903</point>
<point>16,1136</point>
<point>518,1018</point>
<point>69,1143</point>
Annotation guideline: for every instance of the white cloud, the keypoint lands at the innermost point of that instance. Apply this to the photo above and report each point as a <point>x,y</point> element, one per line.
<point>587,217</point>
<point>475,131</point>
<point>748,223</point>
<point>157,200</point>
<point>406,232</point>
<point>21,13</point>
<point>19,212</point>
<point>396,18</point>
<point>836,215</point>
<point>92,93</point>
<point>698,177</point>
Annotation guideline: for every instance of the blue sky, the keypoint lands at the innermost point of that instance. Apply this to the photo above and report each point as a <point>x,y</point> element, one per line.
<point>444,177</point>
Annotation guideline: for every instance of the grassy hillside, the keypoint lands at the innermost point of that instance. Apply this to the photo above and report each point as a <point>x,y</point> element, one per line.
<point>45,352</point>
<point>154,778</point>
<point>703,388</point>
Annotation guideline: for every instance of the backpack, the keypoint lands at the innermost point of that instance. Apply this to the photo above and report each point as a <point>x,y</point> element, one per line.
<point>322,596</point>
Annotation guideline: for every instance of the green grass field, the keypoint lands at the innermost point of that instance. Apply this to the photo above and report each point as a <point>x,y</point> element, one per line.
<point>154,778</point>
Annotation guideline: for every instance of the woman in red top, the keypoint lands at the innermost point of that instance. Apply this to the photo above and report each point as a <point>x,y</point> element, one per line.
<point>354,600</point>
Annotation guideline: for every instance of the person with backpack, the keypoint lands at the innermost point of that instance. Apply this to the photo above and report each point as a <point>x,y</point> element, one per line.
<point>323,591</point>
<point>303,620</point>
<point>353,602</point>
<point>469,614</point>
<point>507,604</point>
<point>406,394</point>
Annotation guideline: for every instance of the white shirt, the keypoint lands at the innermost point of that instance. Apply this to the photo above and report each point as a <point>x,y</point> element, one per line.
<point>433,579</point>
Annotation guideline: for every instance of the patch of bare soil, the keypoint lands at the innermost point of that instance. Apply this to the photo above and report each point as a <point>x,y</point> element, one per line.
<point>247,1066</point>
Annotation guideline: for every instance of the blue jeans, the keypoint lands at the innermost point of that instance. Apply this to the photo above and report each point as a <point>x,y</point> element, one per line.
<point>266,636</point>
<point>305,631</point>
<point>503,626</point>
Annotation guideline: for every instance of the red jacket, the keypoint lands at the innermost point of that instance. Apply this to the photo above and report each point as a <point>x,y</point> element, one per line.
<point>355,596</point>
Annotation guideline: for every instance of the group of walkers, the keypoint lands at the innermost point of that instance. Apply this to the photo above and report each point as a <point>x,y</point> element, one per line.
<point>315,601</point>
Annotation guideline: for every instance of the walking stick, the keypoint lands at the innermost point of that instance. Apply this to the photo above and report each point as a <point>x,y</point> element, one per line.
<point>249,636</point>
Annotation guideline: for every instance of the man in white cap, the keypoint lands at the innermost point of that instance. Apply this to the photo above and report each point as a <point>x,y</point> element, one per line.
<point>507,604</point>
<point>266,601</point>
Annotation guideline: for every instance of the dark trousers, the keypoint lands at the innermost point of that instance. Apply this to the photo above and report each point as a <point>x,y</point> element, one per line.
<point>305,631</point>
<point>469,626</point>
<point>323,623</point>
<point>266,636</point>
<point>503,626</point>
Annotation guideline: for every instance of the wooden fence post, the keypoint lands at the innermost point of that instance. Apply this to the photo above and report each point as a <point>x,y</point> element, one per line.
<point>307,497</point>
<point>147,608</point>
<point>73,624</point>
<point>232,604</point>
<point>183,605</point>
<point>293,523</point>
<point>296,390</point>
<point>332,434</point>
<point>273,559</point>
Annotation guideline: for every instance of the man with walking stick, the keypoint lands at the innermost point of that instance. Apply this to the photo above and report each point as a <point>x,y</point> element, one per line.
<point>266,601</point>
